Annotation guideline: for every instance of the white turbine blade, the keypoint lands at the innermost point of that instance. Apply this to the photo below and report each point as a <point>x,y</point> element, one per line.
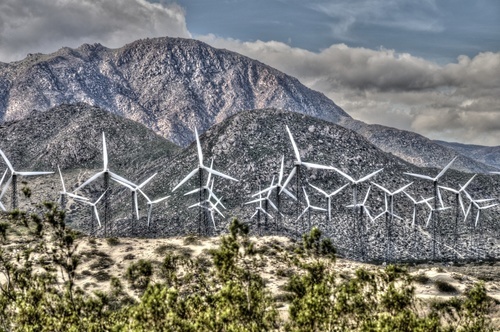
<point>194,191</point>
<point>104,193</point>
<point>264,191</point>
<point>194,205</point>
<point>484,200</point>
<point>33,173</point>
<point>338,190</point>
<point>317,166</point>
<point>300,216</point>
<point>60,175</point>
<point>290,176</point>
<point>395,215</point>
<point>115,176</point>
<point>382,188</point>
<point>477,217</point>
<point>414,215</point>
<point>440,198</point>
<point>429,219</point>
<point>92,179</point>
<point>222,175</point>
<point>379,215</point>
<point>425,177</point>
<point>147,181</point>
<point>280,178</point>
<point>145,196</point>
<point>307,197</point>
<point>461,201</point>
<point>136,205</point>
<point>104,153</point>
<point>445,169</point>
<point>210,174</point>
<point>264,211</point>
<point>255,201</point>
<point>4,190</point>
<point>402,188</point>
<point>344,175</point>
<point>367,194</point>
<point>320,190</point>
<point>468,211</point>
<point>94,207</point>
<point>213,220</point>
<point>9,165</point>
<point>198,146</point>
<point>409,196</point>
<point>367,211</point>
<point>256,211</point>
<point>370,175</point>
<point>217,210</point>
<point>272,205</point>
<point>286,191</point>
<point>426,201</point>
<point>189,176</point>
<point>123,184</point>
<point>160,200</point>
<point>317,208</point>
<point>468,182</point>
<point>272,184</point>
<point>77,196</point>
<point>450,189</point>
<point>295,149</point>
<point>488,206</point>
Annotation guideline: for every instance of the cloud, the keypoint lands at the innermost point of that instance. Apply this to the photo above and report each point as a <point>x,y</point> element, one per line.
<point>45,25</point>
<point>459,101</point>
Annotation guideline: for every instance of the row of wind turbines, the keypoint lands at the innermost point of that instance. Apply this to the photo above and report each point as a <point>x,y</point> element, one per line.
<point>210,204</point>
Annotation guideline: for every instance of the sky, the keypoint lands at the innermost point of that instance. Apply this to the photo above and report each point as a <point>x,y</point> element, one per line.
<point>429,66</point>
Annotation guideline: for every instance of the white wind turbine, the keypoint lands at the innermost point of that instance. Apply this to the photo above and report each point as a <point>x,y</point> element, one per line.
<point>64,193</point>
<point>134,189</point>
<point>361,229</point>
<point>388,212</point>
<point>436,194</point>
<point>297,164</point>
<point>308,208</point>
<point>362,206</point>
<point>150,203</point>
<point>106,174</point>
<point>259,208</point>
<point>415,204</point>
<point>13,179</point>
<point>210,208</point>
<point>329,196</point>
<point>94,212</point>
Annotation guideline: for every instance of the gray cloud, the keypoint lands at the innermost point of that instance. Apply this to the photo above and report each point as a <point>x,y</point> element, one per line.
<point>458,101</point>
<point>44,25</point>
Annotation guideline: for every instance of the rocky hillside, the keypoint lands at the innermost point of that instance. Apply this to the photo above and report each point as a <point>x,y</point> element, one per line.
<point>489,155</point>
<point>174,85</point>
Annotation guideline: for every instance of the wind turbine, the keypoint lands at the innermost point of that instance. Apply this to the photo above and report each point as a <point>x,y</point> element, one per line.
<point>308,208</point>
<point>106,174</point>
<point>134,189</point>
<point>329,197</point>
<point>13,179</point>
<point>458,200</point>
<point>387,212</point>
<point>389,225</point>
<point>268,202</point>
<point>199,170</point>
<point>297,164</point>
<point>362,209</point>
<point>259,209</point>
<point>64,193</point>
<point>211,208</point>
<point>436,194</point>
<point>1,181</point>
<point>434,209</point>
<point>150,203</point>
<point>94,212</point>
<point>415,203</point>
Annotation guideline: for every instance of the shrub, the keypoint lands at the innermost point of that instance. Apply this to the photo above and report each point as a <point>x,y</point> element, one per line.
<point>445,287</point>
<point>139,274</point>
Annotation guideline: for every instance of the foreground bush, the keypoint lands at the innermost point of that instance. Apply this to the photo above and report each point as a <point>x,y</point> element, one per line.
<point>222,293</point>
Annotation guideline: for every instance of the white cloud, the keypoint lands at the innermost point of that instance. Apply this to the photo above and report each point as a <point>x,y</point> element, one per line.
<point>455,102</point>
<point>71,23</point>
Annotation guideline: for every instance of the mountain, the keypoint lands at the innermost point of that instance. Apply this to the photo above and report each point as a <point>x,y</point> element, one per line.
<point>489,155</point>
<point>172,85</point>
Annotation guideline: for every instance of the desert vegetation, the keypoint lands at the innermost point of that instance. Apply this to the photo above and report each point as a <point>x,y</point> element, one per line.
<point>225,288</point>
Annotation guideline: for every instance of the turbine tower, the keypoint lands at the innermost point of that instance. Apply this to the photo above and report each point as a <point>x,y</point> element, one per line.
<point>361,231</point>
<point>13,179</point>
<point>106,174</point>
<point>388,212</point>
<point>436,194</point>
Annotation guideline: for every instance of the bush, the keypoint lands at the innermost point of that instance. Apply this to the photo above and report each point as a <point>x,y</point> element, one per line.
<point>445,287</point>
<point>139,274</point>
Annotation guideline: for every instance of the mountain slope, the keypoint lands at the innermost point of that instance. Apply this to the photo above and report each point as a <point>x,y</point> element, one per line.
<point>489,155</point>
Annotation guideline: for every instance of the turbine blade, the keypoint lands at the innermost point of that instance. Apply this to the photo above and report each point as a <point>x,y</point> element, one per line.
<point>121,178</point>
<point>4,190</point>
<point>414,215</point>
<point>445,168</point>
<point>194,205</point>
<point>189,176</point>
<point>9,165</point>
<point>104,193</point>
<point>272,184</point>
<point>96,215</point>
<point>461,201</point>
<point>198,146</point>
<point>382,188</point>
<point>295,149</point>
<point>280,178</point>
<point>411,198</point>
<point>272,205</point>
<point>136,205</point>
<point>77,196</point>
<point>149,213</point>
<point>425,177</point>
<point>317,208</point>
<point>429,219</point>
<point>468,182</point>
<point>317,166</point>
<point>253,215</point>
<point>286,191</point>
<point>192,191</point>
<point>210,174</point>
<point>33,173</point>
<point>440,198</point>
<point>370,175</point>
<point>214,172</point>
<point>367,194</point>
<point>270,216</point>
<point>477,217</point>
<point>290,176</point>
<point>60,175</point>
<point>104,153</point>
<point>320,190</point>
<point>305,194</point>
<point>160,200</point>
<point>468,211</point>
<point>145,196</point>
<point>123,183</point>
<point>300,215</point>
<point>450,189</point>
<point>402,188</point>
<point>344,175</point>
<point>147,181</point>
<point>338,190</point>
<point>92,179</point>
<point>263,191</point>
<point>488,206</point>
